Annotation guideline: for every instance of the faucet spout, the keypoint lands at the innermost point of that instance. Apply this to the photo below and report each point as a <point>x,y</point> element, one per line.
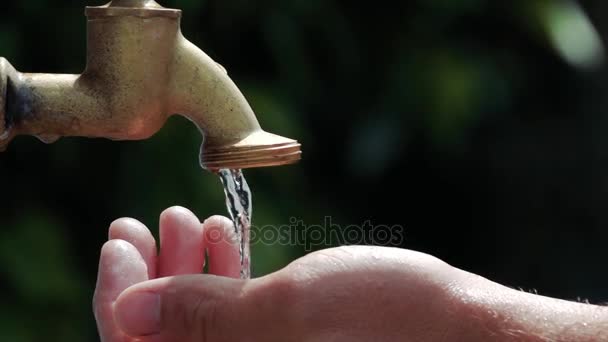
<point>233,136</point>
<point>140,70</point>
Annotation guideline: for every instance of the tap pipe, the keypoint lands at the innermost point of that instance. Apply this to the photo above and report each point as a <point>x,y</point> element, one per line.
<point>140,70</point>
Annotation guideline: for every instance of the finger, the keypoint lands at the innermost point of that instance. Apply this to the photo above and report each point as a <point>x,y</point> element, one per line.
<point>181,236</point>
<point>120,266</point>
<point>137,234</point>
<point>222,246</point>
<point>204,308</point>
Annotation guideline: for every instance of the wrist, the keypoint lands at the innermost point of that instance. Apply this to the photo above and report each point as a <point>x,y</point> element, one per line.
<point>490,311</point>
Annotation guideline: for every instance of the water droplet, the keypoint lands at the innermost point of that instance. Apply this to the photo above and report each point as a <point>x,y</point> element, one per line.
<point>48,138</point>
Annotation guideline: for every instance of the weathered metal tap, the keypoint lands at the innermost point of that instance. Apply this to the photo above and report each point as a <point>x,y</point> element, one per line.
<point>140,70</point>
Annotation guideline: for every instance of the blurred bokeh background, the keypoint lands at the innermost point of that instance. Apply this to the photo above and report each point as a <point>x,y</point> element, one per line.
<point>480,127</point>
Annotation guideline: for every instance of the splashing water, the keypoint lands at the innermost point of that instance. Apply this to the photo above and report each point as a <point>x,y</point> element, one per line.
<point>238,201</point>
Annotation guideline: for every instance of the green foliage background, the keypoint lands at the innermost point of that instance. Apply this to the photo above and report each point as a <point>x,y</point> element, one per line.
<point>479,126</point>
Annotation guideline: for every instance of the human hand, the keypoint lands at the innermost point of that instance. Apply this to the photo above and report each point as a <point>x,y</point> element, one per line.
<point>130,257</point>
<point>341,294</point>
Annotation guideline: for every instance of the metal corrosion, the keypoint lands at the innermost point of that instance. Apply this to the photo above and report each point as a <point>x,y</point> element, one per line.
<point>140,70</point>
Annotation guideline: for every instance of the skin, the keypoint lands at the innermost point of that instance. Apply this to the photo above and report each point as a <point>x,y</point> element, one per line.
<point>340,294</point>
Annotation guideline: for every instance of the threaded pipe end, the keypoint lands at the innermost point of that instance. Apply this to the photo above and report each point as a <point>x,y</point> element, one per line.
<point>260,149</point>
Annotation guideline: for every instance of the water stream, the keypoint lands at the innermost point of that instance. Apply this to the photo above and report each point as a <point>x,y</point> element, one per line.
<point>238,202</point>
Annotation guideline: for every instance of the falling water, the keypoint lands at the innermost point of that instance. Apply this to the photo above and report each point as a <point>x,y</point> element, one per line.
<point>238,201</point>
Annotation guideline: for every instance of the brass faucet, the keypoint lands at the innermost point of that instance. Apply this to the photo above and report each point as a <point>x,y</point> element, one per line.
<point>140,70</point>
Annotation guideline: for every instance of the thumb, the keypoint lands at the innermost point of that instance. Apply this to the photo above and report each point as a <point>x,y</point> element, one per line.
<point>201,308</point>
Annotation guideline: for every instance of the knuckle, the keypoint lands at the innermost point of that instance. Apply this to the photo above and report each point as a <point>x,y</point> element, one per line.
<point>195,315</point>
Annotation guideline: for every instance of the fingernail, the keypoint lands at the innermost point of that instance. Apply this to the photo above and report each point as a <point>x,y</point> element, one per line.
<point>138,313</point>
